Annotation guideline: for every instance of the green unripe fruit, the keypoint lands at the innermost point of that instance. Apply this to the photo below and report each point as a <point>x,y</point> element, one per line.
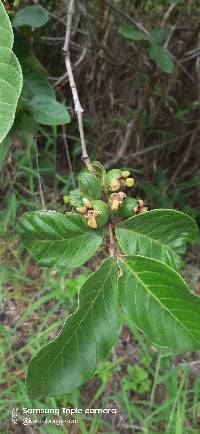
<point>125,174</point>
<point>103,212</point>
<point>87,203</point>
<point>126,210</point>
<point>113,174</point>
<point>66,200</point>
<point>130,182</point>
<point>90,185</point>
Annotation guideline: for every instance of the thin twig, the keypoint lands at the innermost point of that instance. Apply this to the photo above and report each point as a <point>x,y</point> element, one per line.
<point>167,14</point>
<point>68,26</point>
<point>183,69</point>
<point>77,105</point>
<point>39,178</point>
<point>172,31</point>
<point>112,247</point>
<point>127,17</point>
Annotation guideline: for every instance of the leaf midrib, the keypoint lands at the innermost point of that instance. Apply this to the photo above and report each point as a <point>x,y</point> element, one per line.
<point>162,307</point>
<point>151,239</point>
<point>59,240</point>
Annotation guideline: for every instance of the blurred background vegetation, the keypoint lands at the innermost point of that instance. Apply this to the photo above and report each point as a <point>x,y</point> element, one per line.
<point>137,70</point>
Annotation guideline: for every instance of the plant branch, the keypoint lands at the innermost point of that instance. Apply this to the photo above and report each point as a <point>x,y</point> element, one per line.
<point>77,105</point>
<point>127,17</point>
<point>167,14</point>
<point>112,249</point>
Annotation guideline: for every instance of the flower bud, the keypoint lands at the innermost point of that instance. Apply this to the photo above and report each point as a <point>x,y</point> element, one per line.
<point>115,205</point>
<point>114,184</point>
<point>87,203</point>
<point>81,210</point>
<point>66,200</point>
<point>130,182</point>
<point>116,200</point>
<point>92,222</point>
<point>125,173</point>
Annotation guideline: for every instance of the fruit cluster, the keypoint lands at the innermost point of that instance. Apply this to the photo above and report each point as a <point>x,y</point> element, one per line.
<point>102,194</point>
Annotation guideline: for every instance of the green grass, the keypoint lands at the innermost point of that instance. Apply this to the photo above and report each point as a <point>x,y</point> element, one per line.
<point>153,391</point>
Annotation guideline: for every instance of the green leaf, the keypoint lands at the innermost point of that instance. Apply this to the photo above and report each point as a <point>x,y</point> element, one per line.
<point>90,185</point>
<point>7,37</point>
<point>100,171</point>
<point>48,111</point>
<point>10,75</point>
<point>57,240</point>
<point>129,32</point>
<point>159,234</point>
<point>36,82</point>
<point>162,58</point>
<point>86,338</point>
<point>159,302</point>
<point>158,36</point>
<point>34,16</point>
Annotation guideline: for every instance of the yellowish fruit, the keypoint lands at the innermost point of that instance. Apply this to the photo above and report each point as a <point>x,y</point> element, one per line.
<point>130,182</point>
<point>125,173</point>
<point>66,200</point>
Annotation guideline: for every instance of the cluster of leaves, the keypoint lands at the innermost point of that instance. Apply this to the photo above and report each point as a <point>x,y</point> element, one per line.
<point>154,40</point>
<point>139,282</point>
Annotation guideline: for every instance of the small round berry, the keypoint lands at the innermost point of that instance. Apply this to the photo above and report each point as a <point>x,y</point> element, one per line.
<point>127,208</point>
<point>66,200</point>
<point>130,182</point>
<point>125,174</point>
